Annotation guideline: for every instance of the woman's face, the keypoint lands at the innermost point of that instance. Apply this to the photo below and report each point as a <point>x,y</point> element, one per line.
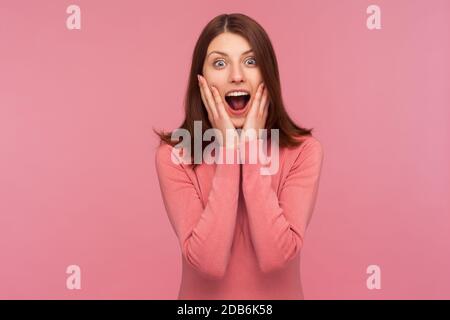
<point>230,65</point>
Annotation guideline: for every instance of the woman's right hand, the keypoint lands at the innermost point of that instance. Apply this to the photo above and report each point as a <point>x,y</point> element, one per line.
<point>217,114</point>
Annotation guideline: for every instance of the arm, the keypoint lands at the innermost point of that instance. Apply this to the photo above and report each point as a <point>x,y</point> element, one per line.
<point>278,225</point>
<point>205,233</point>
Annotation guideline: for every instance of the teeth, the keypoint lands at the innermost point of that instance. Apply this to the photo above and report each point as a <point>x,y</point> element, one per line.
<point>237,93</point>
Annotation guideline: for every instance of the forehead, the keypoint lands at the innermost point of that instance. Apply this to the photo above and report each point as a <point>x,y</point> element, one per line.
<point>230,43</point>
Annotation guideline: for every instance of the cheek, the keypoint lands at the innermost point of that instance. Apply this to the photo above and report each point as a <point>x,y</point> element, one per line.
<point>213,77</point>
<point>216,77</point>
<point>255,78</point>
<point>214,81</point>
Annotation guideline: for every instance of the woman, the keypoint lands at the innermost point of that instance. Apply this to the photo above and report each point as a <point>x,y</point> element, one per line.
<point>240,232</point>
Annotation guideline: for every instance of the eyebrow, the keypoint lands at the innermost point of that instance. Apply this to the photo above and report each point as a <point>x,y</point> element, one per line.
<point>224,54</point>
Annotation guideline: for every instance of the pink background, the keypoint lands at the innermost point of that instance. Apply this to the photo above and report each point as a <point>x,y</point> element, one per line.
<point>78,182</point>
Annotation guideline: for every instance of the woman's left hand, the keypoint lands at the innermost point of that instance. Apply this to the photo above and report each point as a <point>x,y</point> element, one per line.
<point>257,115</point>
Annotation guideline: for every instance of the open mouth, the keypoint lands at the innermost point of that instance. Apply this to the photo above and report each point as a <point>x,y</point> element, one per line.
<point>238,103</point>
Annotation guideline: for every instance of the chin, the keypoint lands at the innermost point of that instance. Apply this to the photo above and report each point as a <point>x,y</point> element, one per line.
<point>238,123</point>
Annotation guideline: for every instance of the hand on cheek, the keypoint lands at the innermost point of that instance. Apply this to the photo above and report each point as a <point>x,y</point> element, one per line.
<point>257,115</point>
<point>217,115</point>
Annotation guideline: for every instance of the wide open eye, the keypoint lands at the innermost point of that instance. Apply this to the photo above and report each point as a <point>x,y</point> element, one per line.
<point>217,61</point>
<point>251,59</point>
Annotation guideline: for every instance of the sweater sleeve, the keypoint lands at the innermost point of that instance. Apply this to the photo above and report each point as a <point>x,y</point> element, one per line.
<point>205,233</point>
<point>277,225</point>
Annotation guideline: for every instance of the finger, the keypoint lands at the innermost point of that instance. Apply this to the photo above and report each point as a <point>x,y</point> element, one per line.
<point>263,103</point>
<point>219,102</point>
<point>266,112</point>
<point>257,100</point>
<point>209,97</point>
<point>208,109</point>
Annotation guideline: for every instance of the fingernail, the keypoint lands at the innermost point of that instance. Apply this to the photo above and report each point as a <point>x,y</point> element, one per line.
<point>198,77</point>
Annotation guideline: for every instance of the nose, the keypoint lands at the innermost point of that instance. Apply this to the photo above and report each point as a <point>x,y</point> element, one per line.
<point>237,75</point>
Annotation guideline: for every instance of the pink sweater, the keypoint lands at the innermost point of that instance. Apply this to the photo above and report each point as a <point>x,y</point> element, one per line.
<point>240,232</point>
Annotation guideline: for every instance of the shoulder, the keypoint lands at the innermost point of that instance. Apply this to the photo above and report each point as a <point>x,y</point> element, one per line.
<point>167,156</point>
<point>310,149</point>
<point>162,152</point>
<point>309,145</point>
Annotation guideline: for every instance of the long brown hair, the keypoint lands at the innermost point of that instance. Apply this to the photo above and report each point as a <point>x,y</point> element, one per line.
<point>259,41</point>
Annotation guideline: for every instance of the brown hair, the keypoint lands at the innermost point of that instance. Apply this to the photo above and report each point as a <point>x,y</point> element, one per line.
<point>259,41</point>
